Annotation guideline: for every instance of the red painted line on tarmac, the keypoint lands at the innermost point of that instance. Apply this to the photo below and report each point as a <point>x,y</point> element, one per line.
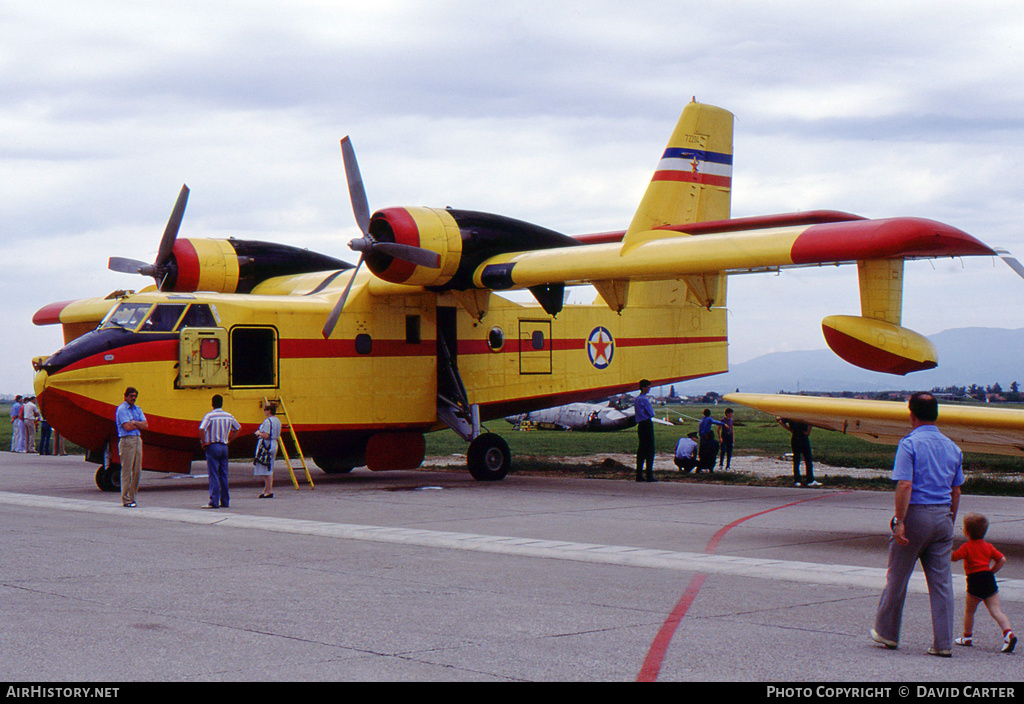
<point>656,654</point>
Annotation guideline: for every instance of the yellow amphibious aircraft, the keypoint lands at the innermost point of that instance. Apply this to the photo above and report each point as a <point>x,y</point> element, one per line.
<point>368,359</point>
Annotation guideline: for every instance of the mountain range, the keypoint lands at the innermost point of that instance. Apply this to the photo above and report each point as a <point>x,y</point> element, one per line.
<point>982,356</point>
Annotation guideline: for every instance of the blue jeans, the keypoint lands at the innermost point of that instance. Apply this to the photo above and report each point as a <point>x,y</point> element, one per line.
<point>45,435</point>
<point>217,471</point>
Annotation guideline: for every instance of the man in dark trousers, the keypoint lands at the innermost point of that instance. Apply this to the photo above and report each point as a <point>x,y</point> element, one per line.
<point>800,444</point>
<point>644,412</point>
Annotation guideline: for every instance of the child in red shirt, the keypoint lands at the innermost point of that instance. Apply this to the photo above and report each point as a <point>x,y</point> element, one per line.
<point>981,562</point>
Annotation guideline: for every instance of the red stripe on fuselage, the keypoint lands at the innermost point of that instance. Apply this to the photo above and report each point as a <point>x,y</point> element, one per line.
<point>332,349</point>
<point>563,344</point>
<point>156,351</point>
<point>659,341</point>
<point>167,350</point>
<point>329,349</point>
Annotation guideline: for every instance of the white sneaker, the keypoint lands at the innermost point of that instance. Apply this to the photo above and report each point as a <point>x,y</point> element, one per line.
<point>966,641</point>
<point>1009,642</point>
<point>815,484</point>
<point>890,644</point>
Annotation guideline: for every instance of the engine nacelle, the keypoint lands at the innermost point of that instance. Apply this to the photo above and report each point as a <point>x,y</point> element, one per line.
<point>462,239</point>
<point>237,266</point>
<point>877,345</point>
<point>426,228</point>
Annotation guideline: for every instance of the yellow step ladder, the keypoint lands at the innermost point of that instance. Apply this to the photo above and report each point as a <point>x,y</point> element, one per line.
<point>279,402</point>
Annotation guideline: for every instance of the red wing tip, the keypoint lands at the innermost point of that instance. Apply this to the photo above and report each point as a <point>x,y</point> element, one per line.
<point>50,314</point>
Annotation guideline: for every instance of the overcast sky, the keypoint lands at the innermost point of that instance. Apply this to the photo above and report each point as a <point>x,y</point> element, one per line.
<point>552,112</point>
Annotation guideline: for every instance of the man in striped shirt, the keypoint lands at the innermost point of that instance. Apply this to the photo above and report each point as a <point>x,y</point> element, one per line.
<point>216,431</point>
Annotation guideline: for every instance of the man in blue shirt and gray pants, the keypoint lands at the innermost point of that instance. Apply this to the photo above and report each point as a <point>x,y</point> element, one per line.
<point>928,472</point>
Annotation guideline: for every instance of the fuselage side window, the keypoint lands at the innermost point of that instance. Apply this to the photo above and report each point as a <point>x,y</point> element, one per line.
<point>126,316</point>
<point>198,315</point>
<point>412,330</point>
<point>163,317</point>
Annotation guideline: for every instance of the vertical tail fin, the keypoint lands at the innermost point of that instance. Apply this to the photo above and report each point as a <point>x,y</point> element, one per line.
<point>693,181</point>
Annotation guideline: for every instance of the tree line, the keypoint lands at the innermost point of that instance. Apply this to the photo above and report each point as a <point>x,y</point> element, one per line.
<point>993,393</point>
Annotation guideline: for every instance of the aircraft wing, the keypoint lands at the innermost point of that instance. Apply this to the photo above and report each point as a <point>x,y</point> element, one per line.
<point>667,253</point>
<point>998,431</point>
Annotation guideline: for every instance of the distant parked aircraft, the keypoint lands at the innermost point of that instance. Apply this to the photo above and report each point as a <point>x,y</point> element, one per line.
<point>595,417</point>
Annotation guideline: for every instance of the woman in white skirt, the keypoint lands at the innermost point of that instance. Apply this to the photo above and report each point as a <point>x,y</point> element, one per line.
<point>268,434</point>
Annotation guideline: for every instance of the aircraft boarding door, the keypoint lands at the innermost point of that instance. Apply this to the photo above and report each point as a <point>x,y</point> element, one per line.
<point>453,406</point>
<point>535,347</point>
<point>203,357</point>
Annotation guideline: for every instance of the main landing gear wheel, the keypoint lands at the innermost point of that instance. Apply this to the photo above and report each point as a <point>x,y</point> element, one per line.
<point>489,458</point>
<point>108,478</point>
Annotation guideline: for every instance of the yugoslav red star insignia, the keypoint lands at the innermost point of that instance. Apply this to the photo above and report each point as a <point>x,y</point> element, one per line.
<point>600,347</point>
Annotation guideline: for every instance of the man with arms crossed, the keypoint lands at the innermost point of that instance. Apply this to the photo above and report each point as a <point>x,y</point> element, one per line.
<point>928,472</point>
<point>130,422</point>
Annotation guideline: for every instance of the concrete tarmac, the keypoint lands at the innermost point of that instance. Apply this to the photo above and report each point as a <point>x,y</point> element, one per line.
<point>431,576</point>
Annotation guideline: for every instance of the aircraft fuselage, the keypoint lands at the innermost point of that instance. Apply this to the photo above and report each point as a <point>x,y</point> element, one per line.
<point>373,386</point>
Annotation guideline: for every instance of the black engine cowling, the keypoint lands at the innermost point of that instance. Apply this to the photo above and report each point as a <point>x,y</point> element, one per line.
<point>237,266</point>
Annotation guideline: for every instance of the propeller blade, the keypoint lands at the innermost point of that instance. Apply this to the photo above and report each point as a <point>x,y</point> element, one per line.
<point>408,253</point>
<point>158,269</point>
<point>356,191</point>
<point>126,266</point>
<point>402,252</point>
<point>171,230</point>
<point>332,319</point>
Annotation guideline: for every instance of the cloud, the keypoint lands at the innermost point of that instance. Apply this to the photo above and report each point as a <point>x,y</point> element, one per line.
<point>552,113</point>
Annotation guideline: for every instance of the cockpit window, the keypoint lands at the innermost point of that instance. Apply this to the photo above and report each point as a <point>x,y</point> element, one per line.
<point>163,317</point>
<point>126,316</point>
<point>198,315</point>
